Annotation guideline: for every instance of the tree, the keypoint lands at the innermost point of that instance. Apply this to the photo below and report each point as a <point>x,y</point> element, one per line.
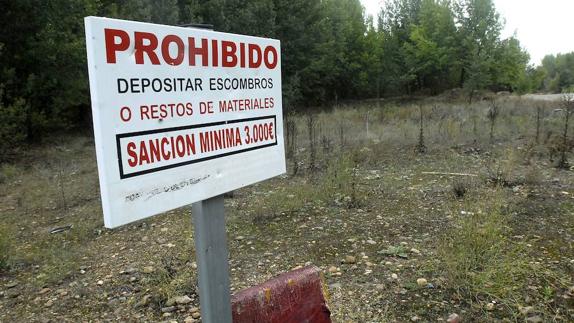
<point>300,25</point>
<point>43,63</point>
<point>509,64</point>
<point>559,73</point>
<point>478,34</point>
<point>430,48</point>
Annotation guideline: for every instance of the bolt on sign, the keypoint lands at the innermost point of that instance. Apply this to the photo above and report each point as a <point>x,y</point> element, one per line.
<point>180,114</point>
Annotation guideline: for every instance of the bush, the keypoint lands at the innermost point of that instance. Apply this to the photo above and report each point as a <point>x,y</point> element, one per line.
<point>12,126</point>
<point>480,262</point>
<point>5,248</point>
<point>459,188</point>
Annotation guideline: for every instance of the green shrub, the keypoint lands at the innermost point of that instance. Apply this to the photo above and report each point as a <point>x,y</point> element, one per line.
<point>12,126</point>
<point>480,262</point>
<point>5,248</point>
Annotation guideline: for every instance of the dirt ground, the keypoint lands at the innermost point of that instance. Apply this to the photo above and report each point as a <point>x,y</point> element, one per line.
<point>477,226</point>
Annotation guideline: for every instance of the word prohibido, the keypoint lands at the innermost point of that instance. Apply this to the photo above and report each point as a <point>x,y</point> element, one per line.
<point>149,48</point>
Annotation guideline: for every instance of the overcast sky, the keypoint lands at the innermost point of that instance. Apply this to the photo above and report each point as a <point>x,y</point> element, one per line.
<point>543,27</point>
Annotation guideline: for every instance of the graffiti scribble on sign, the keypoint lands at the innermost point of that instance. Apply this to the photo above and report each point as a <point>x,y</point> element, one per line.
<point>166,189</point>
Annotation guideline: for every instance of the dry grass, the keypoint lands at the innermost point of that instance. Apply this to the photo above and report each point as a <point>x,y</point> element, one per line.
<point>360,189</point>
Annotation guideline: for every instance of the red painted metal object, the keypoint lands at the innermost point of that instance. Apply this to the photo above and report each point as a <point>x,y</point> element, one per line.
<point>293,297</point>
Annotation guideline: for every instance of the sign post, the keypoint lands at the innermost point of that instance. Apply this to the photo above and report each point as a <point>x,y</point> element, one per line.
<point>212,263</point>
<point>182,116</point>
<point>211,253</point>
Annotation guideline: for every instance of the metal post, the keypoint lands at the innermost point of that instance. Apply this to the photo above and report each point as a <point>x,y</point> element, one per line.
<point>212,263</point>
<point>211,252</point>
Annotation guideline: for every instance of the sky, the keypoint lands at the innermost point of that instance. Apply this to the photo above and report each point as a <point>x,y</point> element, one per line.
<point>543,27</point>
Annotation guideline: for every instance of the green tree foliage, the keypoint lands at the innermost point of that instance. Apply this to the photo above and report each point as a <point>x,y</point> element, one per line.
<point>478,35</point>
<point>330,51</point>
<point>556,75</point>
<point>43,78</point>
<point>430,48</point>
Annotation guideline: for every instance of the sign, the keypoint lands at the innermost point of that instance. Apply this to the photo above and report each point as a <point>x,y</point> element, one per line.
<point>180,115</point>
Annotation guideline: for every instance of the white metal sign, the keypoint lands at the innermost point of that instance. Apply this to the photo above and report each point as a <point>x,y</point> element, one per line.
<point>180,114</point>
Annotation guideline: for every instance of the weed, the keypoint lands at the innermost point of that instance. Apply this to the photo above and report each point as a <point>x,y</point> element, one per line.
<point>58,258</point>
<point>568,103</point>
<point>7,171</point>
<point>5,248</point>
<point>480,262</point>
<point>421,148</point>
<point>173,278</point>
<point>339,184</point>
<point>326,144</point>
<point>492,115</point>
<point>501,172</point>
<point>532,176</point>
<point>291,142</point>
<point>395,251</point>
<point>342,128</point>
<point>538,120</point>
<point>311,131</point>
<point>60,176</point>
<point>459,187</point>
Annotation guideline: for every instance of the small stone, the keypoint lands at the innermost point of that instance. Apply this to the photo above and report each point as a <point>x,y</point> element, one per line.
<point>369,264</point>
<point>194,309</point>
<point>148,270</point>
<point>133,279</point>
<point>239,238</point>
<point>371,242</point>
<point>144,301</point>
<point>379,287</point>
<point>195,315</point>
<point>128,271</point>
<point>454,318</point>
<point>168,309</point>
<point>350,260</point>
<point>490,307</point>
<point>49,303</point>
<point>11,284</point>
<point>415,251</point>
<point>415,318</point>
<point>333,269</point>
<point>163,229</point>
<point>394,276</point>
<point>422,282</point>
<point>44,291</point>
<point>171,302</point>
<point>183,300</point>
<point>189,319</point>
<point>524,310</point>
<point>534,319</point>
<point>100,282</point>
<point>167,314</point>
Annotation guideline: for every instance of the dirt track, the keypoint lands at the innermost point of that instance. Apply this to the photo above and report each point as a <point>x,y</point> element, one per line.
<point>545,97</point>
